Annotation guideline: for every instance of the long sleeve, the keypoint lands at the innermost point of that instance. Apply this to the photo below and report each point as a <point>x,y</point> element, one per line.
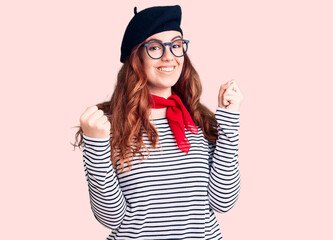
<point>224,180</point>
<point>106,198</point>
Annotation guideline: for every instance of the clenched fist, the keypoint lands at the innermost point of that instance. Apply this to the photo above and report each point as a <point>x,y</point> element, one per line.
<point>94,123</point>
<point>230,96</point>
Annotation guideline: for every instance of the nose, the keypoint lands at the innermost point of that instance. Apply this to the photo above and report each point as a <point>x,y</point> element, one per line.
<point>167,56</point>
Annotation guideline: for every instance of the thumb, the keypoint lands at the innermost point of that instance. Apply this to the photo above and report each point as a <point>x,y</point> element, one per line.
<point>223,88</point>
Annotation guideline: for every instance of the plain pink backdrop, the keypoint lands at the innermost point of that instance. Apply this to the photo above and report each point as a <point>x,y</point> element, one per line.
<point>59,57</point>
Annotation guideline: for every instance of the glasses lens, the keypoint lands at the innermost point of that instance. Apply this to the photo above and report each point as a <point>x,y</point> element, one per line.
<point>155,49</point>
<point>179,48</point>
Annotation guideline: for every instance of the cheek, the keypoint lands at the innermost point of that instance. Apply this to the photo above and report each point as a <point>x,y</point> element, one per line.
<point>145,60</point>
<point>181,64</point>
<point>149,70</point>
<point>147,64</point>
<point>181,61</point>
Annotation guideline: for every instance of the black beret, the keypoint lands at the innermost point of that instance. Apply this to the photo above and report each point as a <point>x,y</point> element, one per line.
<point>148,22</point>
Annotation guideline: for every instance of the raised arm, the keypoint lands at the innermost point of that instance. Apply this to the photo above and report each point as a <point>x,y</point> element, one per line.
<point>106,198</point>
<point>224,181</point>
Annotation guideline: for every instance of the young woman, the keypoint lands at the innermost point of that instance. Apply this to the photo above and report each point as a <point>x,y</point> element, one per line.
<point>157,161</point>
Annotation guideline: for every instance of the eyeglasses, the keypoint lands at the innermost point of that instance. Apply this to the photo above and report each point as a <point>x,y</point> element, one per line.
<point>156,49</point>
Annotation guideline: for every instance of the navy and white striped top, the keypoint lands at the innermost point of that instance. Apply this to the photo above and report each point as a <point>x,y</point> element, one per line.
<point>170,195</point>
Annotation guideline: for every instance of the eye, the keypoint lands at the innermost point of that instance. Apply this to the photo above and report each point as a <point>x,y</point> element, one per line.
<point>154,48</point>
<point>177,44</point>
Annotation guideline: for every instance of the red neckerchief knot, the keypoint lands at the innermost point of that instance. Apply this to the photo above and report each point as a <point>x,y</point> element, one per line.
<point>178,118</point>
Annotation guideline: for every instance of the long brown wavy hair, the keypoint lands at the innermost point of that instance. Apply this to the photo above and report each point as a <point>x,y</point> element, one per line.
<point>128,110</point>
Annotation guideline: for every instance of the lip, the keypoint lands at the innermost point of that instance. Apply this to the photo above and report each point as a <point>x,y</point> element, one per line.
<point>166,66</point>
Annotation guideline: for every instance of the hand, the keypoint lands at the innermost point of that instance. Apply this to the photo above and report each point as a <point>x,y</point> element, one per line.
<point>230,97</point>
<point>94,123</point>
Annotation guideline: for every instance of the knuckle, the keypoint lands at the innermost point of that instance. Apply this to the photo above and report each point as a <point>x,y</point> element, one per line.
<point>90,123</point>
<point>81,119</point>
<point>91,107</point>
<point>98,126</point>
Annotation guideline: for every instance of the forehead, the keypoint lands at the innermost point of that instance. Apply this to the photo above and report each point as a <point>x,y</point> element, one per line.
<point>165,36</point>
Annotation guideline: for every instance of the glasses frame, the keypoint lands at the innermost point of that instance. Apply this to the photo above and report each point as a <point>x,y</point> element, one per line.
<point>164,46</point>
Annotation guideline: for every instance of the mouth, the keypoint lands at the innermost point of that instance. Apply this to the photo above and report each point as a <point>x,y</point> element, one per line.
<point>166,69</point>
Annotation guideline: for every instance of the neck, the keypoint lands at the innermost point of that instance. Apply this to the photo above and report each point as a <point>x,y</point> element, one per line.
<point>165,93</point>
<point>157,113</point>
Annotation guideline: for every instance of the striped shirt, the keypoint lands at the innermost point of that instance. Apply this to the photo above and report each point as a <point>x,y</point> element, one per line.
<point>170,195</point>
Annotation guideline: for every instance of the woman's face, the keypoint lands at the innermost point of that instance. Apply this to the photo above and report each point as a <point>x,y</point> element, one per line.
<point>162,73</point>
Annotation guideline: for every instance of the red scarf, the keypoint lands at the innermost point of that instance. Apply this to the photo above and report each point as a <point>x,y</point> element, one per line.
<point>178,118</point>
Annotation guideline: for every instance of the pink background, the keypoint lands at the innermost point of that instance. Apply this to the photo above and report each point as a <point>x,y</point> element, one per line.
<point>59,57</point>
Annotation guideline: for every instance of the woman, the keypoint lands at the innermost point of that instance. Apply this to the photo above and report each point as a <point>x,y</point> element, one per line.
<point>173,160</point>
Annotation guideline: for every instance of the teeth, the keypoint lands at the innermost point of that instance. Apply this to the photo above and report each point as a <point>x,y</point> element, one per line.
<point>169,69</point>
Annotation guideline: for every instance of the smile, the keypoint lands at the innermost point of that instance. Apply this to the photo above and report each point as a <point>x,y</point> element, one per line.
<point>166,69</point>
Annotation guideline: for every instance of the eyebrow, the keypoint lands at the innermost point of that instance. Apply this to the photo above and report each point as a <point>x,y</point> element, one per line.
<point>154,39</point>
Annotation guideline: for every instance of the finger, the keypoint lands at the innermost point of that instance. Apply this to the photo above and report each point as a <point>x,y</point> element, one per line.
<point>108,125</point>
<point>223,88</point>
<point>231,97</point>
<point>230,93</point>
<point>94,117</point>
<point>103,119</point>
<point>228,100</point>
<point>225,102</point>
<point>236,88</point>
<point>231,90</point>
<point>229,84</point>
<point>90,110</point>
<point>103,123</point>
<point>232,83</point>
<point>221,93</point>
<point>225,98</point>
